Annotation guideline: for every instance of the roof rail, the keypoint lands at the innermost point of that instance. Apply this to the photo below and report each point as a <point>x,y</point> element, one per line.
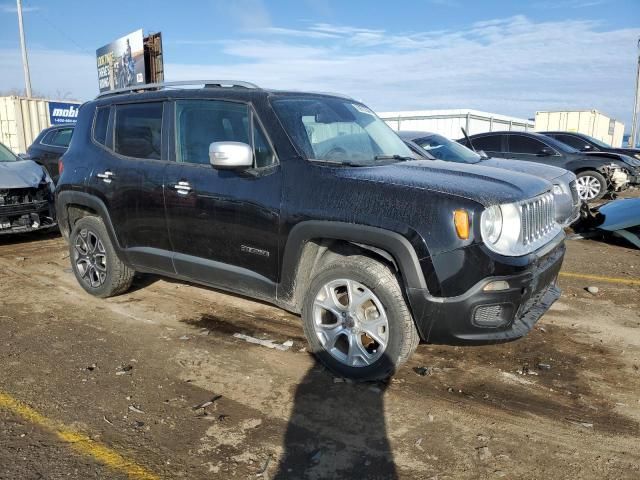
<point>158,86</point>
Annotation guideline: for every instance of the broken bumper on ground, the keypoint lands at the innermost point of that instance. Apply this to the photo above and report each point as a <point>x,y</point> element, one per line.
<point>484,316</point>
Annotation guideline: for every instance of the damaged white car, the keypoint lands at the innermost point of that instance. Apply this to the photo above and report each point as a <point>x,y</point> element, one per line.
<point>26,195</point>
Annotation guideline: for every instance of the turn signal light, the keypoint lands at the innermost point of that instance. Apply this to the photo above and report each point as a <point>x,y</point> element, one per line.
<point>462,223</point>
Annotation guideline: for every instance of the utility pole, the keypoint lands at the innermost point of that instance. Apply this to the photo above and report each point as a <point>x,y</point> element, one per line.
<point>634,123</point>
<point>23,46</point>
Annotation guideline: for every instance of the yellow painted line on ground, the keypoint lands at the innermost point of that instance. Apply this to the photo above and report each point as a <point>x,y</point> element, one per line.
<point>77,441</point>
<point>628,281</point>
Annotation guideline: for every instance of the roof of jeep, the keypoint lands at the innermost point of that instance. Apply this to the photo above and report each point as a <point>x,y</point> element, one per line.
<point>228,93</point>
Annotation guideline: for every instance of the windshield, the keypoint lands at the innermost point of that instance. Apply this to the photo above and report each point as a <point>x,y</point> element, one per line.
<point>596,141</point>
<point>340,131</point>
<point>444,149</point>
<point>6,155</point>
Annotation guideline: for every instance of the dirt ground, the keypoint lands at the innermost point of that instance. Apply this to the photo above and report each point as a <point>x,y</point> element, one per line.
<point>126,373</point>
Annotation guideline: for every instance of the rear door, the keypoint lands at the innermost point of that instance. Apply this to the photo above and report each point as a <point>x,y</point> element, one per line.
<point>223,224</point>
<point>128,178</point>
<point>523,147</point>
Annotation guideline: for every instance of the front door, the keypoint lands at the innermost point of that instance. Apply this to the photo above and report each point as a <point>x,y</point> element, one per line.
<point>223,224</point>
<point>522,147</point>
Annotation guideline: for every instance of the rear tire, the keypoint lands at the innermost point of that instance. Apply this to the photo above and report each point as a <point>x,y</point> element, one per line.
<point>94,261</point>
<point>591,185</point>
<point>356,319</point>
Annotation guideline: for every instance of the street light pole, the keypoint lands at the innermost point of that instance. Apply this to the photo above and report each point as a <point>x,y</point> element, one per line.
<point>634,123</point>
<point>23,46</point>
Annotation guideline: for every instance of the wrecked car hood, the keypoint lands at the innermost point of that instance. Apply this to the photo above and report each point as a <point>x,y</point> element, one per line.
<point>483,184</point>
<point>615,156</point>
<point>620,214</point>
<point>548,172</point>
<point>22,174</point>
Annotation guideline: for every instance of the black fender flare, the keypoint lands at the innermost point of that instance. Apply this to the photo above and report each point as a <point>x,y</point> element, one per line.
<point>394,244</point>
<point>83,199</point>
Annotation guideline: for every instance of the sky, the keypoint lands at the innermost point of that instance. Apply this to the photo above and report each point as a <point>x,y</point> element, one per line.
<point>506,57</point>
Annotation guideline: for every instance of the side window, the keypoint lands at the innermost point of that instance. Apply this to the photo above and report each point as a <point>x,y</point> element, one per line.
<point>62,137</point>
<point>526,145</point>
<point>100,123</point>
<point>138,130</point>
<point>48,138</point>
<point>264,154</point>
<point>574,142</point>
<point>489,143</point>
<point>202,122</point>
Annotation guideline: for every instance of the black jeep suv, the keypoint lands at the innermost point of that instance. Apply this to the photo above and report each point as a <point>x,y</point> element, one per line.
<point>308,201</point>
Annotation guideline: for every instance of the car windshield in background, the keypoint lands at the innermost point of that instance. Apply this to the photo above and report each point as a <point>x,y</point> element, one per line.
<point>6,155</point>
<point>444,149</point>
<point>339,131</point>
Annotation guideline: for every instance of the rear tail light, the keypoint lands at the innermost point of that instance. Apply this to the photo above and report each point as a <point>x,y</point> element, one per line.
<point>60,167</point>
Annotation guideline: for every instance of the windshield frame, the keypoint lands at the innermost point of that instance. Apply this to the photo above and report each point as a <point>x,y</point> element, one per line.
<point>305,148</point>
<point>12,157</point>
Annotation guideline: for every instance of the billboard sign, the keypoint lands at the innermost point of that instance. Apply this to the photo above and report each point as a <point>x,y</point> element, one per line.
<point>121,63</point>
<point>61,113</point>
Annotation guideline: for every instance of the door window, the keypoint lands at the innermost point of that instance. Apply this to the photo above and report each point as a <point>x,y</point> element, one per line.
<point>526,145</point>
<point>572,141</point>
<point>138,130</point>
<point>488,143</point>
<point>202,122</point>
<point>60,138</point>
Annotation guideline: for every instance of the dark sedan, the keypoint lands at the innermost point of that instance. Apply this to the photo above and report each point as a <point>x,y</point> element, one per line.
<point>597,173</point>
<point>588,144</point>
<point>49,146</point>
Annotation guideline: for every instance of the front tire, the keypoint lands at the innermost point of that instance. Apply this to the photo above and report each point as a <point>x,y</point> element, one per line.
<point>94,261</point>
<point>591,185</point>
<point>356,319</point>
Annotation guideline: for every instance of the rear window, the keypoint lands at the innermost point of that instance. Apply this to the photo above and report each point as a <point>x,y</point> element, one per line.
<point>138,130</point>
<point>60,138</point>
<point>100,123</point>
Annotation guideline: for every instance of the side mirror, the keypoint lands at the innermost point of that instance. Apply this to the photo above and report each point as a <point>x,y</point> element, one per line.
<point>546,152</point>
<point>230,155</point>
<point>586,148</point>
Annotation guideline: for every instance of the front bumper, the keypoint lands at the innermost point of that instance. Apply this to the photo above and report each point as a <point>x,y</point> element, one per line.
<point>455,320</point>
<point>27,217</point>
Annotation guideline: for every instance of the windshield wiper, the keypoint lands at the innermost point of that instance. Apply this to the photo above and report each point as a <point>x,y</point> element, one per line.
<point>345,163</point>
<point>393,157</point>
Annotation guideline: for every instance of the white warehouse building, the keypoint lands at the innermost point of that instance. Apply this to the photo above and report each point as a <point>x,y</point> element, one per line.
<point>449,122</point>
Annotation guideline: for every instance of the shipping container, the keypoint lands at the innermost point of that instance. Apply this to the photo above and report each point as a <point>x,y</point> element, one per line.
<point>589,122</point>
<point>449,122</point>
<point>22,119</point>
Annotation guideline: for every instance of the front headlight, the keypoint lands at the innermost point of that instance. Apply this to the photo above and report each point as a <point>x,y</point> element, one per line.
<point>491,224</point>
<point>637,155</point>
<point>557,189</point>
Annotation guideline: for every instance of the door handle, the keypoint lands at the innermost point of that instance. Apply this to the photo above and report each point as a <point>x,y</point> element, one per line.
<point>182,187</point>
<point>106,176</point>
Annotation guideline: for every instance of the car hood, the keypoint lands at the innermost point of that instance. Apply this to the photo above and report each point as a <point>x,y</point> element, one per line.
<point>483,184</point>
<point>548,172</point>
<point>21,174</point>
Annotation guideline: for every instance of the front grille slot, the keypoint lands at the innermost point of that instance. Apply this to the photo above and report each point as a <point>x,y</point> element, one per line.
<point>538,218</point>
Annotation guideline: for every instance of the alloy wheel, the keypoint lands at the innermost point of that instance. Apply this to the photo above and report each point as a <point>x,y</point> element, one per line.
<point>350,322</point>
<point>588,187</point>
<point>90,258</point>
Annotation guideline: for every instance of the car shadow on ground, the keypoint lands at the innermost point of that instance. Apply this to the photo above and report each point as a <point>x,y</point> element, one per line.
<point>29,237</point>
<point>337,429</point>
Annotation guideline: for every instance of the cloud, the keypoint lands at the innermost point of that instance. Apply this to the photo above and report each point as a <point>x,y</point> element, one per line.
<point>12,8</point>
<point>512,66</point>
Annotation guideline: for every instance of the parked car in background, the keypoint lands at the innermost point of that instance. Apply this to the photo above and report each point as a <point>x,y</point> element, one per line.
<point>596,175</point>
<point>308,201</point>
<point>588,144</point>
<point>49,146</point>
<point>26,195</point>
<point>567,200</point>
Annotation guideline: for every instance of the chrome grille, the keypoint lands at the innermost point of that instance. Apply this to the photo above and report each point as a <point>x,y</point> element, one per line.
<point>538,218</point>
